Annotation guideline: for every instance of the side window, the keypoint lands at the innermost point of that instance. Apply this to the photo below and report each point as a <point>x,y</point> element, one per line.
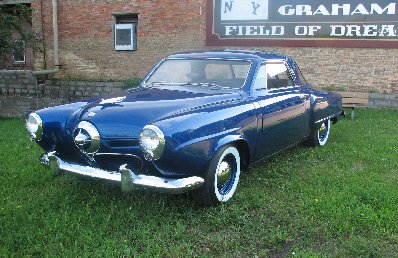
<point>278,76</point>
<point>261,79</point>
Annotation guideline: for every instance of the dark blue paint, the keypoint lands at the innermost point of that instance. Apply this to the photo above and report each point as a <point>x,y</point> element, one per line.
<point>196,121</point>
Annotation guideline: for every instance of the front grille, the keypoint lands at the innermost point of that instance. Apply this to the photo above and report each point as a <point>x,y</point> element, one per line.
<point>112,162</point>
<point>121,143</point>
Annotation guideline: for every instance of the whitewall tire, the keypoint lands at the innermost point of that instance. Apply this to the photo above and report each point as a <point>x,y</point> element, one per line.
<point>323,133</point>
<point>320,137</point>
<point>221,179</point>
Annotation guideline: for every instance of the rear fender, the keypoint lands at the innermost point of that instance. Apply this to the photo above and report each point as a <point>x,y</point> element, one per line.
<point>325,106</point>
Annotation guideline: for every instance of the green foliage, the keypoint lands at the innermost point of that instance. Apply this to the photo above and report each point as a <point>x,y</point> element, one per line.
<point>12,18</point>
<point>335,88</point>
<point>336,201</point>
<point>131,83</point>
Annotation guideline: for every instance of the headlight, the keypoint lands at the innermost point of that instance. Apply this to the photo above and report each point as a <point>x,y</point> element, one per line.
<point>34,125</point>
<point>152,142</point>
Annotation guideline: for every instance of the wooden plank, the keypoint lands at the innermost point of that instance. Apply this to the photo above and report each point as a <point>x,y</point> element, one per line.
<point>355,101</point>
<point>348,94</point>
<point>353,105</point>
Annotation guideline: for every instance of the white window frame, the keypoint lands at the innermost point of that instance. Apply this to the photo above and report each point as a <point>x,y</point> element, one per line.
<point>24,55</point>
<point>132,28</point>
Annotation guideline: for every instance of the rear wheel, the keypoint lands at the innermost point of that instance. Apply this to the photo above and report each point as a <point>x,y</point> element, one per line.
<point>320,136</point>
<point>221,179</point>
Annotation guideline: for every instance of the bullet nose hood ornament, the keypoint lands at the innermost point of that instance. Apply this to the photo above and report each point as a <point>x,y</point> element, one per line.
<point>82,138</point>
<point>112,100</point>
<point>87,138</point>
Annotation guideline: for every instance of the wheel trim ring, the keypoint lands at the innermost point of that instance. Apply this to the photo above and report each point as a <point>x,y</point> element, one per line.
<point>323,132</point>
<point>232,183</point>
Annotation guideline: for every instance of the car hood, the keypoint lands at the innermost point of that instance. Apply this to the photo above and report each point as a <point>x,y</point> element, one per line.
<point>124,115</point>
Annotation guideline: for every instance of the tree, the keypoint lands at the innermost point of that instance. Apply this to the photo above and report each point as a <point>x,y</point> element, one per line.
<point>12,31</point>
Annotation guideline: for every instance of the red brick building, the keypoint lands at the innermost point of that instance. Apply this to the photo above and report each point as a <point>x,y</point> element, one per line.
<point>147,30</point>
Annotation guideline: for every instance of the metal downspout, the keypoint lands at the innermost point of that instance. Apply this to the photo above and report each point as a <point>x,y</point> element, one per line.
<point>56,48</point>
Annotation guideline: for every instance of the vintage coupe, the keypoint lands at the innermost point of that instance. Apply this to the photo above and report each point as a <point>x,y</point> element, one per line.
<point>195,120</point>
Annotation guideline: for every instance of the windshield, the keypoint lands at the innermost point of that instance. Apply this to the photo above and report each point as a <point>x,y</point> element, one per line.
<point>223,73</point>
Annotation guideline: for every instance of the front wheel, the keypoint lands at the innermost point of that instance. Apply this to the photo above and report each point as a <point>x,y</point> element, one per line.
<point>320,136</point>
<point>221,179</point>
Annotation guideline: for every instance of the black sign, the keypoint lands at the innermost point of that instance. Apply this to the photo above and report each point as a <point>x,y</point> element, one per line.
<point>306,23</point>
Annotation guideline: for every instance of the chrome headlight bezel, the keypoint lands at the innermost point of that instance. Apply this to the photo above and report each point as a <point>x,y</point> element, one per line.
<point>152,142</point>
<point>34,125</point>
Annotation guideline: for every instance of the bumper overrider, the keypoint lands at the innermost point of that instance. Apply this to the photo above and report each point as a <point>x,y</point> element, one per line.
<point>128,180</point>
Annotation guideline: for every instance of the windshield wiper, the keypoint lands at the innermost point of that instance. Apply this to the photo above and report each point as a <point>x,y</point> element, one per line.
<point>195,84</point>
<point>206,84</point>
<point>160,83</point>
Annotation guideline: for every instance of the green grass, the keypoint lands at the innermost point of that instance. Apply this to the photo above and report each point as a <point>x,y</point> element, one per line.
<point>336,201</point>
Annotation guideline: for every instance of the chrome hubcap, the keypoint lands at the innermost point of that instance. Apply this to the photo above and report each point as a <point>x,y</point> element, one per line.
<point>323,131</point>
<point>224,173</point>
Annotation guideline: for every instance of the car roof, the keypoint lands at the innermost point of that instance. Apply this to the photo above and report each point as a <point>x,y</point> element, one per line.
<point>231,54</point>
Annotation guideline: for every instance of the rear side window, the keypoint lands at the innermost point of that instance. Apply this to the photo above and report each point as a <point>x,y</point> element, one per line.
<point>278,76</point>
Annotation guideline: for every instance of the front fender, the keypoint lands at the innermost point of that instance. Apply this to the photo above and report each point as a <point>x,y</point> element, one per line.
<point>193,139</point>
<point>55,124</point>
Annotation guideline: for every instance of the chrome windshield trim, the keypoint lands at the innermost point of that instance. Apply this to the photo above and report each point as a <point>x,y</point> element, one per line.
<point>149,75</point>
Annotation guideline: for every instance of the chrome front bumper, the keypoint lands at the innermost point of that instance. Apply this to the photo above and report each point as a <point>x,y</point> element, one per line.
<point>128,180</point>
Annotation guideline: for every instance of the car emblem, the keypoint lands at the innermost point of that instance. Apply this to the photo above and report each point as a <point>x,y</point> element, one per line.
<point>91,114</point>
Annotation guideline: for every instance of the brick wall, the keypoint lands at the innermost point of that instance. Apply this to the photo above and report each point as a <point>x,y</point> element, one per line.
<point>167,26</point>
<point>86,38</point>
<point>20,94</point>
<point>349,69</point>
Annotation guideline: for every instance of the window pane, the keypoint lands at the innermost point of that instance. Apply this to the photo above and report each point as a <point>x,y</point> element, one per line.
<point>172,71</point>
<point>123,37</point>
<point>202,71</point>
<point>240,70</point>
<point>278,76</point>
<point>218,71</point>
<point>260,80</point>
<point>18,53</point>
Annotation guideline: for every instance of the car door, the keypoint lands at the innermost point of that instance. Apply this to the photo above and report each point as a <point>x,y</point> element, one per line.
<point>282,107</point>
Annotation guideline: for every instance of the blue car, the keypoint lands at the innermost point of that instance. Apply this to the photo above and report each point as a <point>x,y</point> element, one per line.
<point>196,120</point>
